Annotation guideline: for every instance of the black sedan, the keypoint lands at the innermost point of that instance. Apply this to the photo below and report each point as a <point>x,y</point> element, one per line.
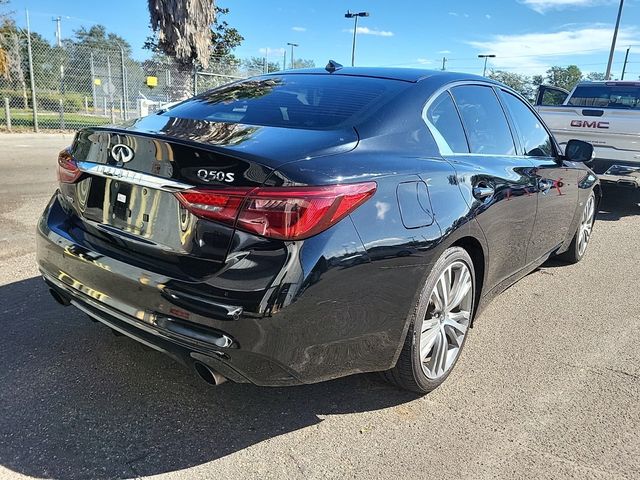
<point>306,225</point>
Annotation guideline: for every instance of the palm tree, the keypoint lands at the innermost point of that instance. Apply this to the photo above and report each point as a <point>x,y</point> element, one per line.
<point>183,29</point>
<point>4,63</point>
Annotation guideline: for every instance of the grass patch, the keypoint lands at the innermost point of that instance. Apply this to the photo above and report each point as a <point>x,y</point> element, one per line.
<point>21,119</point>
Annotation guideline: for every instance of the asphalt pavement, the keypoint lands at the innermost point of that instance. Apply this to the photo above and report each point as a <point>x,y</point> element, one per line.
<point>548,386</point>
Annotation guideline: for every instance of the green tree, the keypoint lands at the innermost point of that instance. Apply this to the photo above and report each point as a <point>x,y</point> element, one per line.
<point>4,55</point>
<point>302,63</point>
<point>46,62</point>
<point>596,76</point>
<point>12,75</point>
<point>564,77</point>
<point>96,37</point>
<point>95,53</point>
<point>256,66</point>
<point>520,83</point>
<point>223,37</point>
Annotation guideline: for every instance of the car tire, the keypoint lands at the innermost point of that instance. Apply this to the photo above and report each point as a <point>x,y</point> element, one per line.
<point>422,370</point>
<point>578,248</point>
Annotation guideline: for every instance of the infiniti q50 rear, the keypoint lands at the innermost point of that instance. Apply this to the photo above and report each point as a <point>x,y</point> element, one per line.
<point>302,226</point>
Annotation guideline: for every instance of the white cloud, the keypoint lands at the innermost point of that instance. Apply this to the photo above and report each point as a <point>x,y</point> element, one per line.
<point>271,52</point>
<point>423,61</point>
<point>541,6</point>
<point>453,14</point>
<point>535,52</point>
<point>298,29</point>
<point>444,52</point>
<point>371,31</point>
<point>487,16</point>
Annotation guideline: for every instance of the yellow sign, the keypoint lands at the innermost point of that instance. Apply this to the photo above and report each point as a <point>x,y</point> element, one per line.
<point>97,81</point>
<point>152,82</point>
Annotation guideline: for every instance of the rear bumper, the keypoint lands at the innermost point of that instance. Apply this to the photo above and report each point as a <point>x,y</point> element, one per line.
<point>313,329</point>
<point>182,344</point>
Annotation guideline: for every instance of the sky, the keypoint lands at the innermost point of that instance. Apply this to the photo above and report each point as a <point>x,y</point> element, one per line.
<point>527,36</point>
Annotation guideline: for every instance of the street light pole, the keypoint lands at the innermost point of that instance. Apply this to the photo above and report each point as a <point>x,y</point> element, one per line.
<point>607,76</point>
<point>355,16</point>
<point>486,57</point>
<point>624,65</point>
<point>292,45</point>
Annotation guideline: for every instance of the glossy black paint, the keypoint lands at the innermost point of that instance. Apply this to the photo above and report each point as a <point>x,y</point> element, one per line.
<point>334,304</point>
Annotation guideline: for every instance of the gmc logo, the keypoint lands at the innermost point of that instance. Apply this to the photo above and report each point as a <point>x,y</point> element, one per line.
<point>589,124</point>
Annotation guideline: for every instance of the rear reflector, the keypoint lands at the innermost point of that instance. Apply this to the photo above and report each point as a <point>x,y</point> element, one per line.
<point>287,213</point>
<point>68,171</point>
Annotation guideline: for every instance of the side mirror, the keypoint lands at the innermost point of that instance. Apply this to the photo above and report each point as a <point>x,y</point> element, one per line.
<point>578,151</point>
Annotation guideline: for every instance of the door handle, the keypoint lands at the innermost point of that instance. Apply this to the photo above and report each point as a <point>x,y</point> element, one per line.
<point>482,191</point>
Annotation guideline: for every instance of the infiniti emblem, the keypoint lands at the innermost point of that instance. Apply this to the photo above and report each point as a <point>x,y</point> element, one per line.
<point>121,153</point>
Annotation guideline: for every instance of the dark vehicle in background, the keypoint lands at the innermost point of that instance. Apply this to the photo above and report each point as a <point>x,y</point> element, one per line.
<point>306,225</point>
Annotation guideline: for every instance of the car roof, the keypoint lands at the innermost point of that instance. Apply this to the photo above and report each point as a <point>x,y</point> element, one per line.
<point>412,75</point>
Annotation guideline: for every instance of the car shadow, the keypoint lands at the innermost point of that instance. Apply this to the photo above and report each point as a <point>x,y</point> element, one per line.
<point>618,202</point>
<point>78,402</point>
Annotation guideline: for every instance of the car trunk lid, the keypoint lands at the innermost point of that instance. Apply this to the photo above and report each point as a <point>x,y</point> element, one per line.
<point>126,197</point>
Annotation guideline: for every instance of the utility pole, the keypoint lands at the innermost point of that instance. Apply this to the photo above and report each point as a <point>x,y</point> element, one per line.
<point>292,45</point>
<point>93,82</point>
<point>607,75</point>
<point>444,62</point>
<point>58,20</point>
<point>58,34</point>
<point>355,16</point>
<point>486,57</point>
<point>624,66</point>
<point>124,85</point>
<point>31,79</point>
<point>284,59</point>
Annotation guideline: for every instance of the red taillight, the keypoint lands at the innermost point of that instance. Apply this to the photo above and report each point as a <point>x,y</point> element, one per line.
<point>68,171</point>
<point>219,205</point>
<point>287,213</point>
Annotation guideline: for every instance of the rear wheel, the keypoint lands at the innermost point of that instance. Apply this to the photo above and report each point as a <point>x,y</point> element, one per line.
<point>440,323</point>
<point>578,247</point>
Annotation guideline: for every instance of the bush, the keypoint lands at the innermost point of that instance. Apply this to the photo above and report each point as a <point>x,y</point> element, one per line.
<point>49,101</point>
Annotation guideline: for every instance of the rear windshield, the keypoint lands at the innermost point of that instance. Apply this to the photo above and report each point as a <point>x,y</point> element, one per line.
<point>295,101</point>
<point>622,96</point>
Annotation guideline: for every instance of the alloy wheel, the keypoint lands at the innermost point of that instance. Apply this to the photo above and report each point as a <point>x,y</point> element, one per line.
<point>447,320</point>
<point>586,224</point>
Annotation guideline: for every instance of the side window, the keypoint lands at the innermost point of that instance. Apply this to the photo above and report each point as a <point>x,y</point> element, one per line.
<point>534,138</point>
<point>553,97</point>
<point>484,121</point>
<point>443,116</point>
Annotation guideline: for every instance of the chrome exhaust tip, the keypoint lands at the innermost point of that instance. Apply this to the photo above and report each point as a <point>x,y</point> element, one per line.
<point>208,375</point>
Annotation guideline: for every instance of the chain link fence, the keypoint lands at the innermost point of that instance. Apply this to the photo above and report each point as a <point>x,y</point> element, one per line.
<point>72,86</point>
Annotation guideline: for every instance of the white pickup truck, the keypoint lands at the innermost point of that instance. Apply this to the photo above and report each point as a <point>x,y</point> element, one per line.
<point>605,114</point>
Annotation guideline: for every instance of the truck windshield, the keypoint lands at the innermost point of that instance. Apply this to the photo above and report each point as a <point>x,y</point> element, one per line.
<point>609,96</point>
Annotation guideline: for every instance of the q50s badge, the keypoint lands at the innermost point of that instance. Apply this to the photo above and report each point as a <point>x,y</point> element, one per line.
<point>215,176</point>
